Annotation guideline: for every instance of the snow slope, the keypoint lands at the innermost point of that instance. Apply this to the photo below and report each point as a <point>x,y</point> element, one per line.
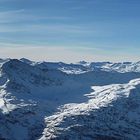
<point>112,112</point>
<point>45,101</point>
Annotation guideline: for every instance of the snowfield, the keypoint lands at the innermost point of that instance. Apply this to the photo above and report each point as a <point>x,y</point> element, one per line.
<point>58,101</point>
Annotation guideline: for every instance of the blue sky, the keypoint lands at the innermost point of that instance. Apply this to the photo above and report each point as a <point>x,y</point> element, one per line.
<point>70,30</point>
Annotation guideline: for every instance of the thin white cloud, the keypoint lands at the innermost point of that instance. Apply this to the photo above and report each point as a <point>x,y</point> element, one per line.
<point>13,16</point>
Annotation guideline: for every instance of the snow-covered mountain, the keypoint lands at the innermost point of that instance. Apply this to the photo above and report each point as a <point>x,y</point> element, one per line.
<point>82,66</point>
<point>58,101</point>
<point>119,67</point>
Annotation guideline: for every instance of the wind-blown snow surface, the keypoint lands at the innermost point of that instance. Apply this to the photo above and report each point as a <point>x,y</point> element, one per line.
<point>58,101</point>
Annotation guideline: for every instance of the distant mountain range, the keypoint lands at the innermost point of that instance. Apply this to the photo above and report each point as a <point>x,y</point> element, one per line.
<point>59,101</point>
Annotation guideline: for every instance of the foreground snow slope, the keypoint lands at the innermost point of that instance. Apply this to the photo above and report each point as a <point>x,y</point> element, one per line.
<point>41,100</point>
<point>112,112</point>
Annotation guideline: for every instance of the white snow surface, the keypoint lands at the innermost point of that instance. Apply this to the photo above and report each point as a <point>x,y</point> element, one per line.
<point>58,101</point>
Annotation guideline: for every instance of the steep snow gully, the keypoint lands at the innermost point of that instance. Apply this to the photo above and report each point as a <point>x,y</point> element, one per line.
<point>58,101</point>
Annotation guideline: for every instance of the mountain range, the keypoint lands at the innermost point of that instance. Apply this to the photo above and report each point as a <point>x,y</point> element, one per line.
<point>76,101</point>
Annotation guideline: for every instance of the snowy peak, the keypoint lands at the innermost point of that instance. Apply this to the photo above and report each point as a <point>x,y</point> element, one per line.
<point>15,65</point>
<point>23,75</point>
<point>26,61</point>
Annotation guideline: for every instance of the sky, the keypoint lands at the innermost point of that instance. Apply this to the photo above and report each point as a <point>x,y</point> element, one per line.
<point>70,30</point>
